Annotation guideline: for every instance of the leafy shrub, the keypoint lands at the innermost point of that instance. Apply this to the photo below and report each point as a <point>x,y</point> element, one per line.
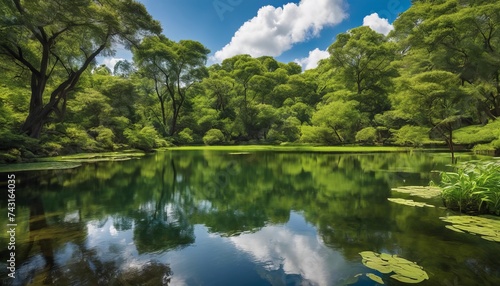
<point>213,136</point>
<point>77,137</point>
<point>410,135</point>
<point>315,134</point>
<point>8,158</point>
<point>185,136</point>
<point>477,134</point>
<point>367,135</point>
<point>104,136</point>
<point>52,148</point>
<point>474,187</point>
<point>143,139</point>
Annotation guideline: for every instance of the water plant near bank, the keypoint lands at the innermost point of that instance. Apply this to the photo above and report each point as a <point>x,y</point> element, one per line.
<point>474,187</point>
<point>487,228</point>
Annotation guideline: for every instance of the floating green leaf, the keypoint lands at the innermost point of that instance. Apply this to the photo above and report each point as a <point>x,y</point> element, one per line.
<point>405,271</point>
<point>405,279</point>
<point>375,278</point>
<point>409,202</point>
<point>487,228</point>
<point>419,191</point>
<point>351,280</point>
<point>380,267</point>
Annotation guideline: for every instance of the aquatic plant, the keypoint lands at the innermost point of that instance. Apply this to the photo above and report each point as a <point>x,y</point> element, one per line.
<point>473,187</point>
<point>404,270</point>
<point>426,192</point>
<point>375,278</point>
<point>487,228</point>
<point>410,203</point>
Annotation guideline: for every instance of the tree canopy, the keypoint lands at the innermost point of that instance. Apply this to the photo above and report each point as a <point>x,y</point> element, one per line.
<point>436,72</point>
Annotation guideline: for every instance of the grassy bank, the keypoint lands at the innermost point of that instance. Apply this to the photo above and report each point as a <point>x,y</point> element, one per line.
<point>304,148</point>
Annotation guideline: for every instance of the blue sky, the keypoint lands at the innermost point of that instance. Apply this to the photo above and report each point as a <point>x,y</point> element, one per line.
<point>299,30</point>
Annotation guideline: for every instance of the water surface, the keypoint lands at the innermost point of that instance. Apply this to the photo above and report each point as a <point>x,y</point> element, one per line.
<point>216,218</point>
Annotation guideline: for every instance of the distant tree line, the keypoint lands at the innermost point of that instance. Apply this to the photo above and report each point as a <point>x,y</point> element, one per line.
<point>435,74</point>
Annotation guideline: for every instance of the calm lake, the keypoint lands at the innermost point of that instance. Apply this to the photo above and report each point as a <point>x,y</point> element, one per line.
<point>220,218</point>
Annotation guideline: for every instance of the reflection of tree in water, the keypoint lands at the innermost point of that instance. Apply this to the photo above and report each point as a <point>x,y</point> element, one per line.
<point>87,268</point>
<point>55,237</point>
<point>166,226</point>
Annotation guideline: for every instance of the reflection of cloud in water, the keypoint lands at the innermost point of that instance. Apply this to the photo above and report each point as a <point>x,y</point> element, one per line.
<point>282,250</point>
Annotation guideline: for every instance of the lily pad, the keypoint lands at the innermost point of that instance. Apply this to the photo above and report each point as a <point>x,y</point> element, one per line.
<point>375,278</point>
<point>487,228</point>
<point>426,192</point>
<point>409,202</point>
<point>351,280</point>
<point>404,270</point>
<point>39,166</point>
<point>380,267</point>
<point>405,279</point>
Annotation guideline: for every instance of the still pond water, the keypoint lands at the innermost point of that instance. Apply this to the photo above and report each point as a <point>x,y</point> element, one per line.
<point>216,218</point>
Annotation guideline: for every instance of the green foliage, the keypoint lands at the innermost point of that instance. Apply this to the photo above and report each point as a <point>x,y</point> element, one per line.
<point>362,59</point>
<point>410,135</point>
<point>56,49</point>
<point>104,136</point>
<point>213,136</point>
<point>367,135</point>
<point>473,187</point>
<point>434,74</point>
<point>342,119</point>
<point>77,137</point>
<point>144,138</point>
<point>317,134</point>
<point>478,134</point>
<point>185,136</point>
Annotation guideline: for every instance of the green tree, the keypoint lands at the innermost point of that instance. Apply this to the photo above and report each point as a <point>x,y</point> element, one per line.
<point>461,37</point>
<point>341,118</point>
<point>174,68</point>
<point>435,99</point>
<point>362,59</point>
<point>56,41</point>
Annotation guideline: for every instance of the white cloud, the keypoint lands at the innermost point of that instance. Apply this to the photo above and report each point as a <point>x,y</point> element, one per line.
<point>276,247</point>
<point>312,60</point>
<point>111,62</point>
<point>379,25</point>
<point>275,30</point>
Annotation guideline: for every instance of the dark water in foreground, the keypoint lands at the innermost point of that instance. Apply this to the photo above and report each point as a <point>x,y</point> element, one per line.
<point>215,218</point>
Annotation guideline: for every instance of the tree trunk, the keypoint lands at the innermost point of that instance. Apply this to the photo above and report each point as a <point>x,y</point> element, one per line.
<point>450,145</point>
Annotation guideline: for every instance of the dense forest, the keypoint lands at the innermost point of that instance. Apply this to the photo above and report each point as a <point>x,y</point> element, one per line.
<point>433,81</point>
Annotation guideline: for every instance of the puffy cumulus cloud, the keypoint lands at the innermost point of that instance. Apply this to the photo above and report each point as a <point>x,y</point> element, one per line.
<point>275,30</point>
<point>379,25</point>
<point>312,60</point>
<point>111,62</point>
<point>277,248</point>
